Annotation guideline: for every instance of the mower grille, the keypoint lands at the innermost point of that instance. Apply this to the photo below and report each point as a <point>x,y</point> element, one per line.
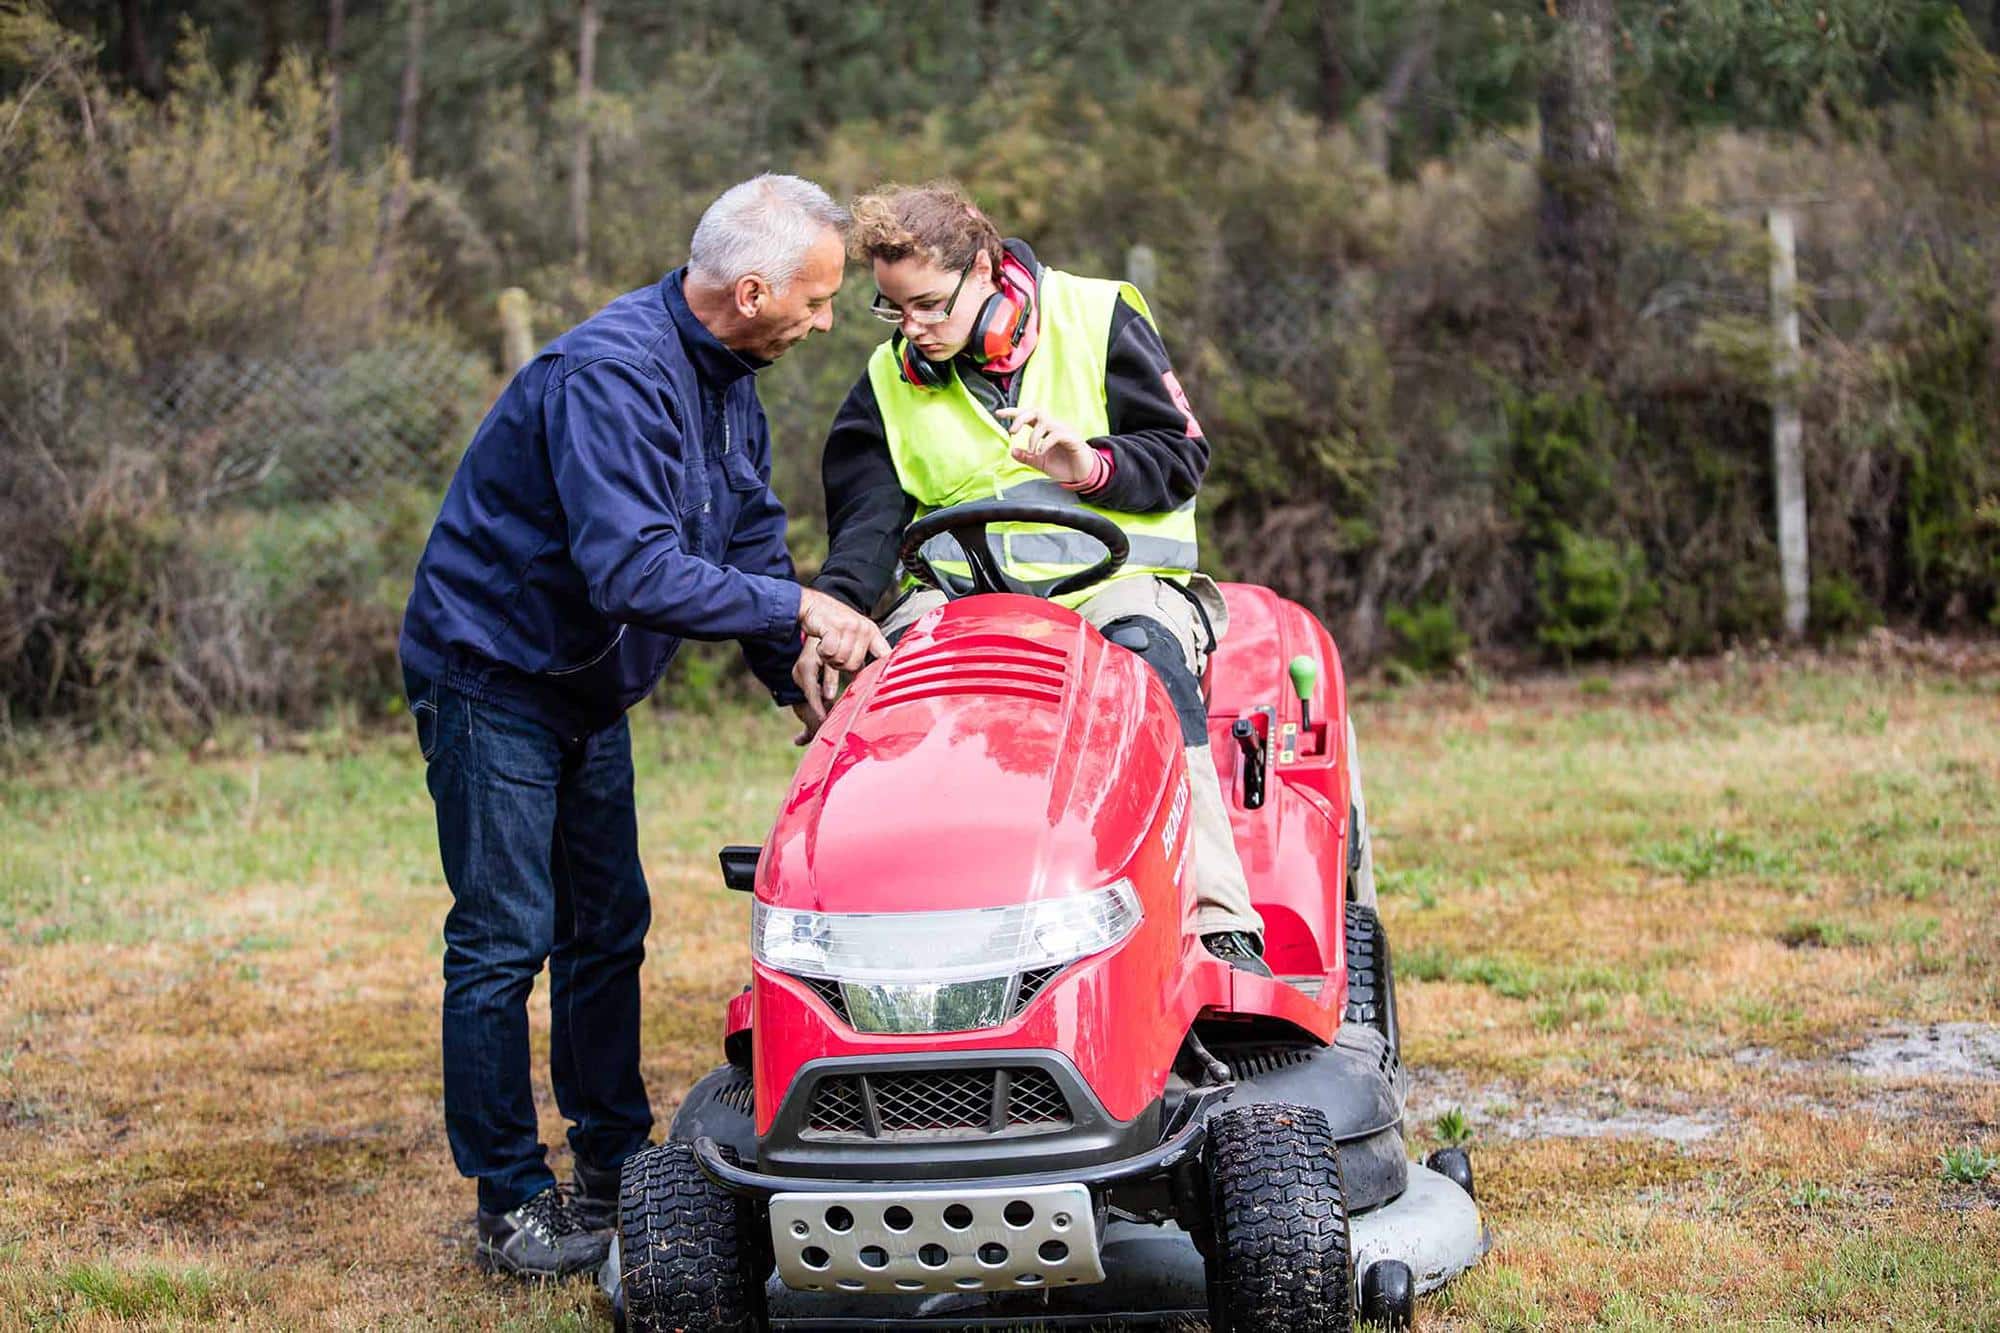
<point>920,1102</point>
<point>838,1108</point>
<point>936,1103</point>
<point>1034,1099</point>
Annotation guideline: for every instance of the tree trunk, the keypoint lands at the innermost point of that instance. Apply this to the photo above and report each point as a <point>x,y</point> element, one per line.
<point>270,40</point>
<point>398,201</point>
<point>1579,189</point>
<point>135,51</point>
<point>1332,68</point>
<point>988,40</point>
<point>806,47</point>
<point>1252,58</point>
<point>336,35</point>
<point>586,83</point>
<point>413,86</point>
<point>1412,65</point>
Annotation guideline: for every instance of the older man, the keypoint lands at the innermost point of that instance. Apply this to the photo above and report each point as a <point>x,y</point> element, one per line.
<point>615,501</point>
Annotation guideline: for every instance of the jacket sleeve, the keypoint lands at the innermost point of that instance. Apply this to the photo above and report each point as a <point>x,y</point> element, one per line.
<point>866,505</point>
<point>616,452</point>
<point>1158,453</point>
<point>757,546</point>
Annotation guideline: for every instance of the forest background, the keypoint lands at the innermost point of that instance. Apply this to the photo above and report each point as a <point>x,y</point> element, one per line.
<point>1475,300</point>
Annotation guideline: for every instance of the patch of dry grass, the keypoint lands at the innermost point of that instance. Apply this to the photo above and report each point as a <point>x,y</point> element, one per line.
<point>1675,895</point>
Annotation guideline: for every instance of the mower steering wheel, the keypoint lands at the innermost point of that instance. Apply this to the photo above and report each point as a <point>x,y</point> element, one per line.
<point>966,524</point>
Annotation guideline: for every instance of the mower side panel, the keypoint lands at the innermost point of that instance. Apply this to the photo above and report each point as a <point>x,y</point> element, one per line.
<point>1294,847</point>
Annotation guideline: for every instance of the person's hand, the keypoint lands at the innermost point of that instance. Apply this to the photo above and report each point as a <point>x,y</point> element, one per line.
<point>809,720</point>
<point>847,639</point>
<point>1048,445</point>
<point>820,680</point>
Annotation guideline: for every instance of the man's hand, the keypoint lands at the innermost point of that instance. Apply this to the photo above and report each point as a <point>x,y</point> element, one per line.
<point>820,680</point>
<point>1049,445</point>
<point>847,639</point>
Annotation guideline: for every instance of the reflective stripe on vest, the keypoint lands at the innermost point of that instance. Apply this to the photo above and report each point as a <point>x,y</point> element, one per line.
<point>948,449</point>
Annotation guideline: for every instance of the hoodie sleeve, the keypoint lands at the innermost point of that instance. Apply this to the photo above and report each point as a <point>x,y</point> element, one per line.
<point>866,505</point>
<point>1158,452</point>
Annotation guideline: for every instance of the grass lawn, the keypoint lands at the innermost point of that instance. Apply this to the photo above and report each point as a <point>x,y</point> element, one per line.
<point>1671,946</point>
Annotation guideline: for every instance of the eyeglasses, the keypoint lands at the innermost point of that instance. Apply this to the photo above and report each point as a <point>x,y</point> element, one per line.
<point>890,313</point>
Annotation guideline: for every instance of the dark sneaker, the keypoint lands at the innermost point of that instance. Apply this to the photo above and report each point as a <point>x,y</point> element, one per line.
<point>541,1238</point>
<point>1238,948</point>
<point>594,1195</point>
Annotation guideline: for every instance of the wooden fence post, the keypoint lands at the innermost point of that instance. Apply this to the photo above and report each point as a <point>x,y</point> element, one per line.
<point>1787,433</point>
<point>517,335</point>
<point>1142,268</point>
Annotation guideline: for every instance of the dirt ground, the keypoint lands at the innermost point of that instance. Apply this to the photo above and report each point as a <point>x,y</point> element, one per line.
<point>1703,960</point>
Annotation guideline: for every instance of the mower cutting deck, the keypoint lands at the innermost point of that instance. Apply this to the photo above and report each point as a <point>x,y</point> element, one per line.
<point>985,1068</point>
<point>1153,1275</point>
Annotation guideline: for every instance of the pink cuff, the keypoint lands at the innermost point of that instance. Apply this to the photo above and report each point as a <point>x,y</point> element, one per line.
<point>1098,475</point>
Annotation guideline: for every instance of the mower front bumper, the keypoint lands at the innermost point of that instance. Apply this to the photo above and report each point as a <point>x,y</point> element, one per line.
<point>1171,1153</point>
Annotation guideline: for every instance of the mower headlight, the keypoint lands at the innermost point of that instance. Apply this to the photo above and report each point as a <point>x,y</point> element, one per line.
<point>940,971</point>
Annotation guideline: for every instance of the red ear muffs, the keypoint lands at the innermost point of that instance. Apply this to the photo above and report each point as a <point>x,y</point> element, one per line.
<point>918,370</point>
<point>998,328</point>
<point>1002,322</point>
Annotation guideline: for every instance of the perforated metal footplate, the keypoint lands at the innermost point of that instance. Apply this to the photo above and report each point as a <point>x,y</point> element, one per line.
<point>937,1240</point>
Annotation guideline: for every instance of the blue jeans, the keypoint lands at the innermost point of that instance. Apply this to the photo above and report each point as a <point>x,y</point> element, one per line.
<point>540,843</point>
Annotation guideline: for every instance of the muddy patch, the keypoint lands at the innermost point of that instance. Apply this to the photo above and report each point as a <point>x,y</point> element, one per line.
<point>1498,1112</point>
<point>1931,1050</point>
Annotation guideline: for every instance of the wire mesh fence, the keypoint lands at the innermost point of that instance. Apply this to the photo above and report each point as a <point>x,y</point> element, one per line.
<point>295,427</point>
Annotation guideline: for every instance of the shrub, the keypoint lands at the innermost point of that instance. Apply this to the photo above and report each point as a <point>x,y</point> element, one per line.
<point>1428,639</point>
<point>1596,598</point>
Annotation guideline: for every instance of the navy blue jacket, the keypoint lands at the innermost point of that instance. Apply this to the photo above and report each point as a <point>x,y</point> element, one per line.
<point>616,500</point>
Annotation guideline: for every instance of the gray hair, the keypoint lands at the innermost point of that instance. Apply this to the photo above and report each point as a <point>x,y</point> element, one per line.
<point>763,226</point>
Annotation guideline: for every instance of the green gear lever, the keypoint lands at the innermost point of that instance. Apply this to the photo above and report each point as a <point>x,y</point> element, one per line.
<point>1305,678</point>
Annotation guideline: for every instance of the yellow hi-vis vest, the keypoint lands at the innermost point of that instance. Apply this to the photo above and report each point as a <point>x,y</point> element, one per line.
<point>949,450</point>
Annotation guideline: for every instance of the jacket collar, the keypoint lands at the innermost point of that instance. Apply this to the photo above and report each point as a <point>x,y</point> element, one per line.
<point>716,365</point>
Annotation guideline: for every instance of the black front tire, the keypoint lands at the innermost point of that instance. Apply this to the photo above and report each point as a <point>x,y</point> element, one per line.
<point>1371,978</point>
<point>1281,1257</point>
<point>688,1249</point>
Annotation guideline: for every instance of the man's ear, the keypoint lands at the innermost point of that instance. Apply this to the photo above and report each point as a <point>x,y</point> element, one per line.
<point>752,292</point>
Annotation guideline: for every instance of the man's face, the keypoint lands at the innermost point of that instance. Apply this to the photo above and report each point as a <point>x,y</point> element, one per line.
<point>916,286</point>
<point>786,316</point>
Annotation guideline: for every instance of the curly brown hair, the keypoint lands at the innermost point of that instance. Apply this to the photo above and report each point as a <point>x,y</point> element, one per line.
<point>936,220</point>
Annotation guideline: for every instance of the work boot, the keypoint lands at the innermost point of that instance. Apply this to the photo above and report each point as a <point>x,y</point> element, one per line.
<point>594,1196</point>
<point>541,1238</point>
<point>1238,948</point>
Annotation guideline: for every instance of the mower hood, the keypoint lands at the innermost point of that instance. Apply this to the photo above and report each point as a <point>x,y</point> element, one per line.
<point>1005,752</point>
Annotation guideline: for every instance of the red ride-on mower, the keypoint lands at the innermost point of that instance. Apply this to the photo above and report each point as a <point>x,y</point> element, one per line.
<point>985,1070</point>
